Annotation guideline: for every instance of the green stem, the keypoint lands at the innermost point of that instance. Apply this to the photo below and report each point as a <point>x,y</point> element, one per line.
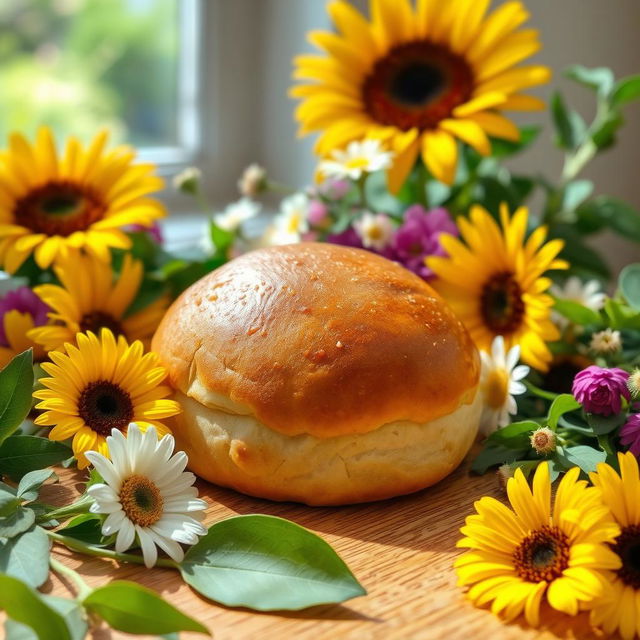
<point>362,190</point>
<point>99,552</point>
<point>62,513</point>
<point>278,187</point>
<point>547,395</point>
<point>421,190</point>
<point>82,587</point>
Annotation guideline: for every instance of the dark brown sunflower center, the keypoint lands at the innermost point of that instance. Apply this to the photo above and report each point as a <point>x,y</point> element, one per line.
<point>501,303</point>
<point>417,84</point>
<point>141,500</point>
<point>542,555</point>
<point>627,546</point>
<point>104,406</point>
<point>97,320</point>
<point>58,208</point>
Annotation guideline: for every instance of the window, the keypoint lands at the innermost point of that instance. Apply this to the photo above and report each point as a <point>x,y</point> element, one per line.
<point>78,65</point>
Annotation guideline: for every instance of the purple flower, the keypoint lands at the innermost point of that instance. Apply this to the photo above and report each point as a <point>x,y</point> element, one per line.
<point>419,237</point>
<point>335,189</point>
<point>599,390</point>
<point>154,231</point>
<point>630,434</point>
<point>23,300</point>
<point>318,213</point>
<point>347,238</point>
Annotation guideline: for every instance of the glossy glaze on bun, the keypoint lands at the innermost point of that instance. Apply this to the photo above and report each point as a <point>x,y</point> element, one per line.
<point>316,340</point>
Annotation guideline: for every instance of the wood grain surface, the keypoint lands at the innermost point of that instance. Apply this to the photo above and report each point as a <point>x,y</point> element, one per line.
<point>401,550</point>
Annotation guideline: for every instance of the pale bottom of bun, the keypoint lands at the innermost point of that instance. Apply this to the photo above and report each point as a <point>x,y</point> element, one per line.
<point>397,458</point>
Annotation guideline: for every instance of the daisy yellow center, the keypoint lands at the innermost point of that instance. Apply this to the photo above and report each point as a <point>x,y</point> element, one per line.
<point>141,500</point>
<point>58,208</point>
<point>294,223</point>
<point>104,406</point>
<point>417,84</point>
<point>501,303</point>
<point>627,546</point>
<point>374,232</point>
<point>496,388</point>
<point>357,163</point>
<point>543,555</point>
<point>97,320</point>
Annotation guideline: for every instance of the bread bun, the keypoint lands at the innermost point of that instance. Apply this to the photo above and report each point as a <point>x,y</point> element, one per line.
<point>320,374</point>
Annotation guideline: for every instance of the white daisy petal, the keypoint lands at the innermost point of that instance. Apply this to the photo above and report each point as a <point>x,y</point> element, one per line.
<point>113,522</point>
<point>105,468</point>
<point>126,536</point>
<point>170,547</point>
<point>521,371</point>
<point>149,551</point>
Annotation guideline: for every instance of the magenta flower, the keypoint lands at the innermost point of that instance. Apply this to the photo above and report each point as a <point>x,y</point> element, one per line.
<point>335,189</point>
<point>347,238</point>
<point>318,213</point>
<point>154,231</point>
<point>419,237</point>
<point>23,300</point>
<point>630,434</point>
<point>600,390</point>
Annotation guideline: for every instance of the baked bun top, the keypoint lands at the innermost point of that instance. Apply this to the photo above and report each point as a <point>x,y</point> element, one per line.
<point>319,339</point>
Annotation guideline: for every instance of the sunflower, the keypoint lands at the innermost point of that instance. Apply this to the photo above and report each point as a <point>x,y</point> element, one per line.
<point>89,299</point>
<point>419,80</point>
<point>80,200</point>
<point>494,282</point>
<point>620,609</point>
<point>517,557</point>
<point>100,385</point>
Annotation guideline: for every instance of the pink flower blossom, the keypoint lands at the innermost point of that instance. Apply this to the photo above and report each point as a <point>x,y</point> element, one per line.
<point>318,213</point>
<point>630,434</point>
<point>23,300</point>
<point>601,390</point>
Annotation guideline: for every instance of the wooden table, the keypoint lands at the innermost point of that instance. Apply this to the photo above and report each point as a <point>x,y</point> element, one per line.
<point>401,550</point>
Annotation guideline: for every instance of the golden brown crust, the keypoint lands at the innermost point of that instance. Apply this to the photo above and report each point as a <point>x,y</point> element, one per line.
<point>318,339</point>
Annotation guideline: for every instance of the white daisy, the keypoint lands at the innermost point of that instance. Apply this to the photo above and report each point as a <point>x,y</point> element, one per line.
<point>253,181</point>
<point>375,230</point>
<point>289,225</point>
<point>499,382</point>
<point>358,158</point>
<point>146,494</point>
<point>605,342</point>
<point>588,294</point>
<point>236,213</point>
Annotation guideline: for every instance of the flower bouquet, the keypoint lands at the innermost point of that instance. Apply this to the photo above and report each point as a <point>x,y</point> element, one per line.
<point>410,106</point>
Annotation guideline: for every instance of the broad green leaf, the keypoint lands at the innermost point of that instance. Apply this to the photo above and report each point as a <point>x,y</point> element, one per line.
<point>130,607</point>
<point>267,563</point>
<point>21,454</point>
<point>16,387</point>
<point>576,313</point>
<point>570,127</point>
<point>30,484</point>
<point>527,466</point>
<point>514,436</point>
<point>626,90</point>
<point>221,238</point>
<point>575,193</point>
<point>26,557</point>
<point>581,256</point>
<point>599,79</point>
<point>602,425</point>
<point>26,606</point>
<point>629,283</point>
<point>87,528</point>
<point>561,405</point>
<point>496,454</point>
<point>605,211</point>
<point>8,501</point>
<point>604,135</point>
<point>17,522</point>
<point>71,612</point>
<point>584,457</point>
<point>150,291</point>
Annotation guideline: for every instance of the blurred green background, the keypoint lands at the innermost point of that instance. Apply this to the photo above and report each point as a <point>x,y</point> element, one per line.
<point>78,65</point>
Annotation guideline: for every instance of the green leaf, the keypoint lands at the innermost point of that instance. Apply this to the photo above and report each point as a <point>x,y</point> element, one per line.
<point>626,90</point>
<point>602,425</point>
<point>599,79</point>
<point>71,612</point>
<point>604,134</point>
<point>505,148</point>
<point>267,563</point>
<point>221,238</point>
<point>581,256</point>
<point>16,386</point>
<point>629,283</point>
<point>584,457</point>
<point>495,454</point>
<point>130,607</point>
<point>576,313</point>
<point>25,605</point>
<point>575,193</point>
<point>561,405</point>
<point>150,291</point>
<point>26,557</point>
<point>21,454</point>
<point>570,127</point>
<point>605,211</point>
<point>30,484</point>
<point>514,436</point>
<point>87,528</point>
<point>17,522</point>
